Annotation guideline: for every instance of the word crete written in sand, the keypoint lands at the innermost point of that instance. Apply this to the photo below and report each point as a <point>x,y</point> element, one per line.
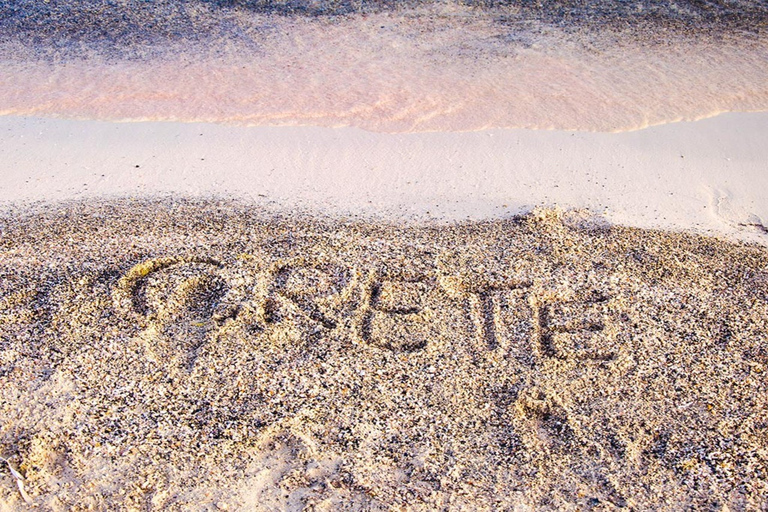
<point>540,363</point>
<point>188,301</point>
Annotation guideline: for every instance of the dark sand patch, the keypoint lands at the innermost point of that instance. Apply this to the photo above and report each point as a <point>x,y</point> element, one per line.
<point>180,354</point>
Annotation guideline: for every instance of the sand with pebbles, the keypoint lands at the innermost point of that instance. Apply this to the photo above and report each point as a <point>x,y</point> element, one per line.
<point>176,354</point>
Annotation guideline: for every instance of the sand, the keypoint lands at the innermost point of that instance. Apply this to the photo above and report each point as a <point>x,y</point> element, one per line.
<point>373,255</point>
<point>709,176</point>
<point>175,354</point>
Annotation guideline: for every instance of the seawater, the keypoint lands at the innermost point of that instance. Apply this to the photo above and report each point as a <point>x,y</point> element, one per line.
<point>417,67</point>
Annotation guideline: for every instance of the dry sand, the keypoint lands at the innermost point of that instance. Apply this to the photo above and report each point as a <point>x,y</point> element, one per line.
<point>207,355</point>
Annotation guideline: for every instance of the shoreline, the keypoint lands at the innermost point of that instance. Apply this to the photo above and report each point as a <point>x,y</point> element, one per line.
<point>707,176</point>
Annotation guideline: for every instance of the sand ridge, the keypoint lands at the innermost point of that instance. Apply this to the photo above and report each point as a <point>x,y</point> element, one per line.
<point>176,353</point>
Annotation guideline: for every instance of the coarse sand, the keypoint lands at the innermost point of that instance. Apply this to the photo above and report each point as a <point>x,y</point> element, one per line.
<point>178,355</point>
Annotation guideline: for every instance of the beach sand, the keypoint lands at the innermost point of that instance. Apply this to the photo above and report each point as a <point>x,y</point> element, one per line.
<point>375,255</point>
<point>708,176</point>
<point>176,353</point>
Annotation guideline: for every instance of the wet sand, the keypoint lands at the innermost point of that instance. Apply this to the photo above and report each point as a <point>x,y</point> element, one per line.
<point>708,176</point>
<point>177,354</point>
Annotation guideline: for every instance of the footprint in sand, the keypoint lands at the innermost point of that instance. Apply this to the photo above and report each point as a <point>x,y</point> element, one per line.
<point>551,437</point>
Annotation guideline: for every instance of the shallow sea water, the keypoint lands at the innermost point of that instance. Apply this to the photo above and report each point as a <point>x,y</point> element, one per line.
<point>430,66</point>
